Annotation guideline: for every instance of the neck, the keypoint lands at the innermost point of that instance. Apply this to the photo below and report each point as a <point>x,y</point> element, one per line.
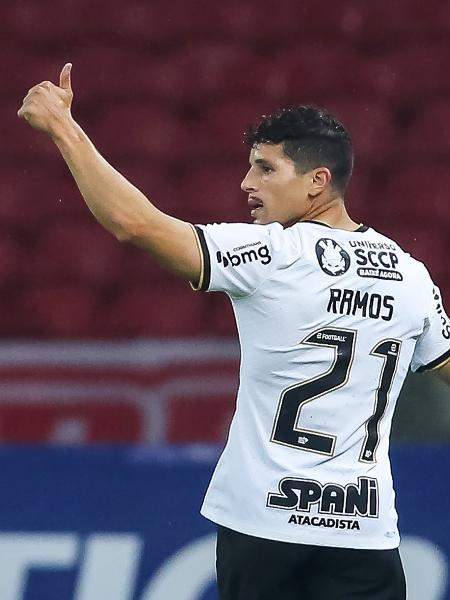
<point>332,213</point>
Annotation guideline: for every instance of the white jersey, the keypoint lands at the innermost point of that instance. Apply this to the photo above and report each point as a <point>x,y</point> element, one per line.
<point>329,323</point>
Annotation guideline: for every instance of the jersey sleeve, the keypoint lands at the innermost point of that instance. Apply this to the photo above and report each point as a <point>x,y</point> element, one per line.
<point>238,257</point>
<point>433,345</point>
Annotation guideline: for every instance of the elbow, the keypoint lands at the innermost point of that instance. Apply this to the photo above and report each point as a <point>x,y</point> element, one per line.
<point>130,233</point>
<point>122,234</point>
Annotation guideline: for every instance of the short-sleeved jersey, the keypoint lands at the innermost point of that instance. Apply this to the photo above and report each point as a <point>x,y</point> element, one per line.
<point>329,323</point>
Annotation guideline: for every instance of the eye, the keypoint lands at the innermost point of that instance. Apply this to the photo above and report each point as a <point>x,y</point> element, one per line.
<point>266,169</point>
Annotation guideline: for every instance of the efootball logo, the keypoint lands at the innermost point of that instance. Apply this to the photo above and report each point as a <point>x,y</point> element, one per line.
<point>333,259</point>
<point>241,258</point>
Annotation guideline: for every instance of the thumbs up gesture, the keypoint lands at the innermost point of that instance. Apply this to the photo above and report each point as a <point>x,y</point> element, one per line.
<point>47,106</point>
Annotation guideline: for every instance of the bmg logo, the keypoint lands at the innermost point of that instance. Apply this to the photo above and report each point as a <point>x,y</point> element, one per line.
<point>242,258</point>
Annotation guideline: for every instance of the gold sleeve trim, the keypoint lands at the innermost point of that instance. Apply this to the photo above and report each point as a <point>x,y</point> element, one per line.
<point>442,364</point>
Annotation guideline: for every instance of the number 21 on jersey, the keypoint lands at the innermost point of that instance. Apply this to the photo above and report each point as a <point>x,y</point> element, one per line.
<point>287,429</point>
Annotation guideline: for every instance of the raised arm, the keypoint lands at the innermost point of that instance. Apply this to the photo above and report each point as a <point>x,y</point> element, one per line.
<point>119,206</point>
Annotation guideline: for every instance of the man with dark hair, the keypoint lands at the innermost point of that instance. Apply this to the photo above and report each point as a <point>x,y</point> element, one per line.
<point>309,137</point>
<point>302,493</point>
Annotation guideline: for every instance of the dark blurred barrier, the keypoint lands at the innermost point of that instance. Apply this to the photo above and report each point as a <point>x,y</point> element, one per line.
<point>123,524</point>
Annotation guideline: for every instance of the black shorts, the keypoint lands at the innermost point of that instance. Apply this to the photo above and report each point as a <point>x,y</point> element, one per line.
<point>251,568</point>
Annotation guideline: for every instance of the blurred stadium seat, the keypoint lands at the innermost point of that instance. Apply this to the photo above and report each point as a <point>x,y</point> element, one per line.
<point>309,72</point>
<point>418,206</point>
<point>420,191</point>
<point>248,21</point>
<point>137,129</point>
<point>149,23</point>
<point>12,260</point>
<point>212,192</point>
<point>76,251</point>
<point>114,71</point>
<point>408,74</point>
<point>371,125</point>
<point>290,21</point>
<point>226,123</point>
<point>195,74</point>
<point>39,22</point>
<point>428,134</point>
<point>385,23</point>
<point>32,197</point>
<point>168,308</point>
<point>64,311</point>
<point>360,194</point>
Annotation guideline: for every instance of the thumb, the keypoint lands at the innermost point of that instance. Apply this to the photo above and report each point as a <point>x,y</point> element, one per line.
<point>64,78</point>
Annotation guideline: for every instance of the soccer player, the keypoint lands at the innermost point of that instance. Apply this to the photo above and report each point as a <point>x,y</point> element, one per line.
<point>331,315</point>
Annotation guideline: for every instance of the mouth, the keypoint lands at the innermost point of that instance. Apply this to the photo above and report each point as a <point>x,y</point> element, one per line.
<point>255,204</point>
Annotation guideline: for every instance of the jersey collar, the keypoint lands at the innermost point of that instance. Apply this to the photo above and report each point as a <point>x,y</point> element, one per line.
<point>361,229</point>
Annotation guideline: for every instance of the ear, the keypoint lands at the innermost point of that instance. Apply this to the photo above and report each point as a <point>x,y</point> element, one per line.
<point>320,179</point>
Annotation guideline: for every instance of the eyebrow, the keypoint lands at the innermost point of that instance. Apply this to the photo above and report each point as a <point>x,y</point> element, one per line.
<point>263,161</point>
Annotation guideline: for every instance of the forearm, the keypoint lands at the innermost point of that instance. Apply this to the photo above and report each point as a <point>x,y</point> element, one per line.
<point>117,204</point>
<point>123,210</point>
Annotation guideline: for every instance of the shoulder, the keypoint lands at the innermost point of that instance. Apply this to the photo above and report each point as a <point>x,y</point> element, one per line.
<point>249,233</point>
<point>416,268</point>
<point>399,248</point>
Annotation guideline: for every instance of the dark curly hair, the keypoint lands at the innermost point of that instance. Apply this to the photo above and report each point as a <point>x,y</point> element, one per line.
<point>311,138</point>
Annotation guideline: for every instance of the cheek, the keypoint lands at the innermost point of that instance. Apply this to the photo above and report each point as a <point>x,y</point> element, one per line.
<point>298,194</point>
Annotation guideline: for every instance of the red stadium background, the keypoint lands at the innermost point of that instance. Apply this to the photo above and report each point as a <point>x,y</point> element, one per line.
<point>98,345</point>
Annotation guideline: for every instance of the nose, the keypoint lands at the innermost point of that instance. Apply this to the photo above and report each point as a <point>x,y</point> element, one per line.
<point>248,183</point>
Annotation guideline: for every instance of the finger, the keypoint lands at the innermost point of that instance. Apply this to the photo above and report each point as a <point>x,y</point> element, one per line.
<point>64,78</point>
<point>30,96</point>
<point>22,113</point>
<point>46,85</point>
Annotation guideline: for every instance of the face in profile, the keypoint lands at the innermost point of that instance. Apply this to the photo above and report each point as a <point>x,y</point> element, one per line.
<point>277,192</point>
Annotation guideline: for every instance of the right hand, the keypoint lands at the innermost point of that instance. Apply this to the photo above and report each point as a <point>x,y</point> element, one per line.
<point>46,106</point>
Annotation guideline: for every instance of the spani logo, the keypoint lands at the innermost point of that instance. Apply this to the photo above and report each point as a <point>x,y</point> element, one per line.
<point>242,258</point>
<point>333,259</point>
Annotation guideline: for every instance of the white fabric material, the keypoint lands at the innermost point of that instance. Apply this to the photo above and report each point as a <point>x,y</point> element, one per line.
<point>329,322</point>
